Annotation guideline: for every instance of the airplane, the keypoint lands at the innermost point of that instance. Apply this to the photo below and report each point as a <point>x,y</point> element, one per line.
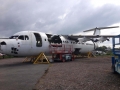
<point>27,43</point>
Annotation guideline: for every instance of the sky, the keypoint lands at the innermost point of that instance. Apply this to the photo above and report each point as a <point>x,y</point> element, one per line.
<point>58,16</point>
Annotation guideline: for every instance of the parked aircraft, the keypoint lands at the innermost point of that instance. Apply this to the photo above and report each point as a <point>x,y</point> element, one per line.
<point>26,43</point>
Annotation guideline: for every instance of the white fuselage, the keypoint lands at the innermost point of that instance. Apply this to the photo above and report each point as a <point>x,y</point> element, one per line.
<point>27,43</point>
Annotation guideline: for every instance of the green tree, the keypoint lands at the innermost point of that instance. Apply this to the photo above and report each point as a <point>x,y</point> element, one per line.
<point>102,48</point>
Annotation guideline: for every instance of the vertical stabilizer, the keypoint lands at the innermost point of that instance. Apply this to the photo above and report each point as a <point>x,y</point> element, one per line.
<point>97,31</point>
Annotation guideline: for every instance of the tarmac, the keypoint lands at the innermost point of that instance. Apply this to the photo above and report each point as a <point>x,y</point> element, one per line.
<point>16,75</point>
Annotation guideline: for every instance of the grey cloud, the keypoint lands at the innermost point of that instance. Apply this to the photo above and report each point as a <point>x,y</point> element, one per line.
<point>90,18</point>
<point>43,15</point>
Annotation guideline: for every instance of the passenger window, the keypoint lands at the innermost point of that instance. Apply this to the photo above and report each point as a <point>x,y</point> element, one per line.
<point>21,37</point>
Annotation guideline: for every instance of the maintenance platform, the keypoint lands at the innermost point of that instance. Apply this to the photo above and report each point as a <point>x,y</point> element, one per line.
<point>116,52</point>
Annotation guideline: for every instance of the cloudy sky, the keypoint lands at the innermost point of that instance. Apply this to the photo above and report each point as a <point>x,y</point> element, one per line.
<point>58,16</point>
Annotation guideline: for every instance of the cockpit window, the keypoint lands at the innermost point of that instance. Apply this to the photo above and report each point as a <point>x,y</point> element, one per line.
<point>13,37</point>
<point>21,37</point>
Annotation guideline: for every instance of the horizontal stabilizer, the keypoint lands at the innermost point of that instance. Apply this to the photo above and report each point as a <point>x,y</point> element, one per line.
<point>99,28</point>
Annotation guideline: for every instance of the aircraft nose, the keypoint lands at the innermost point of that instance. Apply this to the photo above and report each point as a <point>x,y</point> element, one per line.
<point>7,47</point>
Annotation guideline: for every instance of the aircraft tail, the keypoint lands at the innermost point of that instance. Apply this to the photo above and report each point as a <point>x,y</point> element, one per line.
<point>97,29</point>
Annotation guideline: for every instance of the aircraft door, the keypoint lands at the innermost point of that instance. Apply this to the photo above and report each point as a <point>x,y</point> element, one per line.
<point>38,40</point>
<point>36,43</point>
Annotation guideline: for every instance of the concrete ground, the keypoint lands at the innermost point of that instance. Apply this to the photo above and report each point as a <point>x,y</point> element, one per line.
<point>16,75</point>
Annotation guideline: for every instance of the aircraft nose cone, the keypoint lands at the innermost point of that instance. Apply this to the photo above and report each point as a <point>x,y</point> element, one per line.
<point>7,47</point>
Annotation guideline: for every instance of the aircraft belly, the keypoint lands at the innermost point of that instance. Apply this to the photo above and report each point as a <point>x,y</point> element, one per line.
<point>84,48</point>
<point>87,48</point>
<point>24,50</point>
<point>37,50</point>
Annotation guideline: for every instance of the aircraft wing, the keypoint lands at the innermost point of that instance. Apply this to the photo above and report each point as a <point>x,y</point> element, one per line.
<point>4,38</point>
<point>89,36</point>
<point>93,37</point>
<point>84,38</point>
